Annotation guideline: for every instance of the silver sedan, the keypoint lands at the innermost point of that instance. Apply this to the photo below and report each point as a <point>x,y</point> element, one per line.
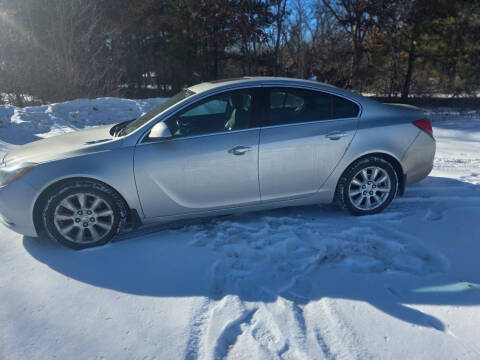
<point>216,148</point>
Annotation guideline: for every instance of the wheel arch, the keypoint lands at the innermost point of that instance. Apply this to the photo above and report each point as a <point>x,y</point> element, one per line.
<point>45,193</point>
<point>387,157</point>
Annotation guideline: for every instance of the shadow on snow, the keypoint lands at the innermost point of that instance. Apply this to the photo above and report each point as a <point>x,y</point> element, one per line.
<point>389,260</point>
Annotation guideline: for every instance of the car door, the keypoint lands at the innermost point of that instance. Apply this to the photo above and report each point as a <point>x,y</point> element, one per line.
<point>210,162</point>
<point>306,134</point>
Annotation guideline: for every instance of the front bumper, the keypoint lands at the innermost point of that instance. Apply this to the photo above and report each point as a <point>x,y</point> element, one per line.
<point>16,208</point>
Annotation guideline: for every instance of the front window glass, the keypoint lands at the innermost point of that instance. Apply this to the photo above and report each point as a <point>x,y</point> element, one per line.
<point>215,106</point>
<point>219,113</point>
<point>142,120</point>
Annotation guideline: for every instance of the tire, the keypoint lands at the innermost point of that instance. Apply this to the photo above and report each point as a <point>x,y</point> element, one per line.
<point>362,189</point>
<point>83,214</point>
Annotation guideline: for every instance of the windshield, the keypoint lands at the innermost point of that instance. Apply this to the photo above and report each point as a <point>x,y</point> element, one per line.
<point>142,120</point>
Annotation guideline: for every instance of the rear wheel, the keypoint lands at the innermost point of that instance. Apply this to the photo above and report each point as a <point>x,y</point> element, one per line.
<point>367,187</point>
<point>83,214</point>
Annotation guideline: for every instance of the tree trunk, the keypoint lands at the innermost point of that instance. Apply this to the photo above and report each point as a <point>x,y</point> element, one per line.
<point>279,26</point>
<point>215,53</point>
<point>355,70</point>
<point>19,100</point>
<point>408,78</point>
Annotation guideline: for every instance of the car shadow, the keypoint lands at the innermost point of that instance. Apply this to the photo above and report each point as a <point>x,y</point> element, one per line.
<point>382,260</point>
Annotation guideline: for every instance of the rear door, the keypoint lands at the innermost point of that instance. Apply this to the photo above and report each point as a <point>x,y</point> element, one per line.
<point>306,134</point>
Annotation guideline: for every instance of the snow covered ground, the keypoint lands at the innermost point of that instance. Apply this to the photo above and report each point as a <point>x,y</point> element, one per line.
<point>297,283</point>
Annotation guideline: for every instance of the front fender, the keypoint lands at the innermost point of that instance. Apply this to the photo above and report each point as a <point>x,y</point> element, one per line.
<point>114,168</point>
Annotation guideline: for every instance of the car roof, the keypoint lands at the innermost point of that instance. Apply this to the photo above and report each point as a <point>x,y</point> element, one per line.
<point>226,84</point>
<point>258,80</point>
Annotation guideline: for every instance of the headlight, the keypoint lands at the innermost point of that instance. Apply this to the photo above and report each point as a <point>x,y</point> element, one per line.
<point>9,174</point>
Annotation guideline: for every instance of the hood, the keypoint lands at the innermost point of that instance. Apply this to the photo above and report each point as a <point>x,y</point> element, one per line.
<point>63,146</point>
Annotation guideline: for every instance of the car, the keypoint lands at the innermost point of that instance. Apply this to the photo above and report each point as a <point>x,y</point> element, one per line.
<point>216,148</point>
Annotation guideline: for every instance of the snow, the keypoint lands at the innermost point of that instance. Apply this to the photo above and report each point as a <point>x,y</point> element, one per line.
<point>297,283</point>
<point>20,125</point>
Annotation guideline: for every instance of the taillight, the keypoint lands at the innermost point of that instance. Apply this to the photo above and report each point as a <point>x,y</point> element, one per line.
<point>425,125</point>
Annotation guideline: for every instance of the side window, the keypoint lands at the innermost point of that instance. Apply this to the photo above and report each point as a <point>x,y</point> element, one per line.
<point>277,99</point>
<point>219,113</point>
<point>284,100</point>
<point>214,106</point>
<point>293,101</point>
<point>291,106</point>
<point>343,108</point>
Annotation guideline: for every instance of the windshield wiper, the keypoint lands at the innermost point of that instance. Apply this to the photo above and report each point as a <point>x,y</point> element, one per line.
<point>120,132</point>
<point>117,130</point>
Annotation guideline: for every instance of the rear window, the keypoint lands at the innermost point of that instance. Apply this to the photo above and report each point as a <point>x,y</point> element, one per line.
<point>343,108</point>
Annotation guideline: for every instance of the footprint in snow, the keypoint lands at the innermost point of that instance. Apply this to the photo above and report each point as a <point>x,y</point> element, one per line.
<point>433,215</point>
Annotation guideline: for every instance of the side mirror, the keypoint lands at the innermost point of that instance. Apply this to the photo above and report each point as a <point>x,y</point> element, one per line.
<point>160,131</point>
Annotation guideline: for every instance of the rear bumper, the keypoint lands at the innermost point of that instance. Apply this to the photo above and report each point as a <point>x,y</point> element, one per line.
<point>16,208</point>
<point>418,159</point>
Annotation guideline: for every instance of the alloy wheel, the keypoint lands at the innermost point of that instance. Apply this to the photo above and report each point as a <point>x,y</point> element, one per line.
<point>369,188</point>
<point>83,218</point>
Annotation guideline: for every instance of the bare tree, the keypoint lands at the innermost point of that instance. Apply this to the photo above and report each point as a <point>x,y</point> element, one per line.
<point>64,49</point>
<point>280,12</point>
<point>355,17</point>
<point>329,44</point>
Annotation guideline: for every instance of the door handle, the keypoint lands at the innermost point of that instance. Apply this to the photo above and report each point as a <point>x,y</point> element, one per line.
<point>239,150</point>
<point>335,135</point>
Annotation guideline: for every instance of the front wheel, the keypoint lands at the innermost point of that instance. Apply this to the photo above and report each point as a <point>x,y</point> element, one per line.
<point>83,214</point>
<point>367,187</point>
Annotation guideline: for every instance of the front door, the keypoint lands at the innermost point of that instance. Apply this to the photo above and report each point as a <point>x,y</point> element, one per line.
<point>210,163</point>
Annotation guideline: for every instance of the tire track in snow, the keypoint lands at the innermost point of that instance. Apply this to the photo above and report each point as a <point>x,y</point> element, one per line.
<point>216,325</point>
<point>332,333</point>
<point>197,330</point>
<point>201,319</point>
<point>267,334</point>
<point>230,334</point>
<point>281,330</point>
<point>226,325</point>
<point>228,319</point>
<point>320,339</point>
